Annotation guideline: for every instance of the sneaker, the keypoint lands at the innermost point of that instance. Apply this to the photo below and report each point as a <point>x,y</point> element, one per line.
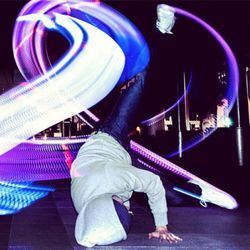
<point>214,195</point>
<point>165,18</point>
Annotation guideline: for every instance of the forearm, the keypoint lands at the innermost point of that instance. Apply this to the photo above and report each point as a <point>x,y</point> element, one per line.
<point>158,203</point>
<point>160,219</point>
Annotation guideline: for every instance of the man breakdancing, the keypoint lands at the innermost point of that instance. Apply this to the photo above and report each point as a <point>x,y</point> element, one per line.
<point>103,177</point>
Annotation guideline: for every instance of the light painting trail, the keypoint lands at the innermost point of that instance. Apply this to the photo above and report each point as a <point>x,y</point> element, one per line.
<point>98,59</point>
<point>233,77</point>
<point>16,196</point>
<point>159,116</point>
<point>226,199</point>
<point>40,160</point>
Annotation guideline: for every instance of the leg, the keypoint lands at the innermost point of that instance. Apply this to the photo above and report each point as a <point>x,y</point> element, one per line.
<point>124,116</point>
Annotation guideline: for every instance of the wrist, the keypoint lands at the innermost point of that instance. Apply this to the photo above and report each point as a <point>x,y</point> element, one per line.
<point>161,228</point>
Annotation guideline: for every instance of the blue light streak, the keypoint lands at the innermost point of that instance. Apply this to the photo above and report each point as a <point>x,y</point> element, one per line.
<point>16,196</point>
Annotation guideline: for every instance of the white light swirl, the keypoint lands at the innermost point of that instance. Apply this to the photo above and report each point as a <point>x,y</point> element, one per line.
<point>60,94</point>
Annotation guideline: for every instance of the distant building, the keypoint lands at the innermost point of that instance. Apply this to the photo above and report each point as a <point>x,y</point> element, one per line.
<point>222,115</point>
<point>208,122</point>
<point>158,125</point>
<point>167,123</point>
<point>195,125</point>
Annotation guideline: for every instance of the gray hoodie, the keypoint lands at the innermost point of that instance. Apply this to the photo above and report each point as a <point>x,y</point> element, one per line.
<point>104,168</point>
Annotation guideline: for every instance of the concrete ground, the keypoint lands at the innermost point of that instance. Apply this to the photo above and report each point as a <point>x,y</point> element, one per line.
<point>49,224</point>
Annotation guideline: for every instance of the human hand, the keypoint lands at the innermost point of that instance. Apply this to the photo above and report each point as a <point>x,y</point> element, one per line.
<point>162,233</point>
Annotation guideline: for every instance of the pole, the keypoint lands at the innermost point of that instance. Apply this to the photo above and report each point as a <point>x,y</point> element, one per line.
<point>186,104</point>
<point>179,125</point>
<point>239,135</point>
<point>248,94</point>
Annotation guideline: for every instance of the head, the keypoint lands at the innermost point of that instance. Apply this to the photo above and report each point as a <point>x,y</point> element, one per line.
<point>165,18</point>
<point>102,221</point>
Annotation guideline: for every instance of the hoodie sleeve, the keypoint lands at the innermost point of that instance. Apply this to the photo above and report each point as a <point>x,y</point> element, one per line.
<point>138,180</point>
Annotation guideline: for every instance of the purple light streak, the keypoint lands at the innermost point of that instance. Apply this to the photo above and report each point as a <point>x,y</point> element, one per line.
<point>173,168</point>
<point>159,116</point>
<point>39,160</point>
<point>233,77</point>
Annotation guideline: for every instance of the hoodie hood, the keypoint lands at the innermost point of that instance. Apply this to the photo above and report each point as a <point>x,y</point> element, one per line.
<point>98,223</point>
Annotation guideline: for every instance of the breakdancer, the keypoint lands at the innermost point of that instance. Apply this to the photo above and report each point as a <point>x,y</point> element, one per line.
<point>103,177</point>
<point>106,179</point>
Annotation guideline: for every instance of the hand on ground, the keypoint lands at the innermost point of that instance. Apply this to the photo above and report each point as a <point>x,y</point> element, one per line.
<point>162,234</point>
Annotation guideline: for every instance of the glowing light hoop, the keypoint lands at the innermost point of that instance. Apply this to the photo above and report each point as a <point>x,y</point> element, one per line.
<point>159,116</point>
<point>40,102</point>
<point>233,75</point>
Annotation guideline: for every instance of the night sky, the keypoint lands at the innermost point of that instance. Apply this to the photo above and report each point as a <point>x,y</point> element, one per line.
<point>191,49</point>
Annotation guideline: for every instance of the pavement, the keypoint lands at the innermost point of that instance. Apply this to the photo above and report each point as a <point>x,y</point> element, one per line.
<point>49,224</point>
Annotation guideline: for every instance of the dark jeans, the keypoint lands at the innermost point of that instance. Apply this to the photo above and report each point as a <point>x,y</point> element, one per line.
<point>124,115</point>
<point>124,118</point>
